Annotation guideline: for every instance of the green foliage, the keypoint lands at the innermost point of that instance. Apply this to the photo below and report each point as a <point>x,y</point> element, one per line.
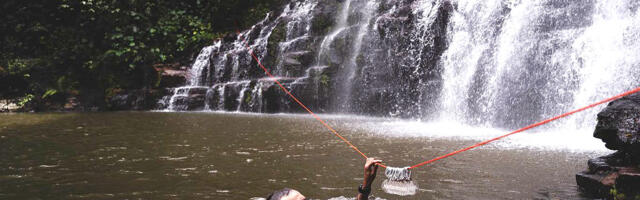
<point>616,195</point>
<point>324,80</point>
<point>248,98</point>
<point>49,92</point>
<point>25,100</point>
<point>90,47</point>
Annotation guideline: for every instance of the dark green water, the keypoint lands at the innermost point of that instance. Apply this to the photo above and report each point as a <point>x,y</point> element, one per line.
<point>155,155</point>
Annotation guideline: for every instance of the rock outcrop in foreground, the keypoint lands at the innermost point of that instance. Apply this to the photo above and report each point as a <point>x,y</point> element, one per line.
<point>616,175</point>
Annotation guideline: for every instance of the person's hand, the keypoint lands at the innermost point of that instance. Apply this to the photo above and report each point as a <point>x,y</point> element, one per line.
<point>370,171</point>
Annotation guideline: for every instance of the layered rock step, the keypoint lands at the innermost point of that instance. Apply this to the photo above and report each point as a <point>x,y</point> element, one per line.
<point>616,175</point>
<point>260,95</point>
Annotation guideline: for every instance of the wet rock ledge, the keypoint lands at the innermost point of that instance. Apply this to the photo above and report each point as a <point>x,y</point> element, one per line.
<point>616,175</point>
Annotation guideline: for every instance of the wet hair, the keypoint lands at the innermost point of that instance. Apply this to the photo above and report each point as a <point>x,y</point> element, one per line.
<point>278,194</point>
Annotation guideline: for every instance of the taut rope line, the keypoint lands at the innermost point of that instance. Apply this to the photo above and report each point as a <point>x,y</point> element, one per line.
<point>443,156</point>
<point>266,71</point>
<point>528,127</point>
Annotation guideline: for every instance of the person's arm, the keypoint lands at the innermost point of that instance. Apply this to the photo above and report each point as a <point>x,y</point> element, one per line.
<point>370,170</point>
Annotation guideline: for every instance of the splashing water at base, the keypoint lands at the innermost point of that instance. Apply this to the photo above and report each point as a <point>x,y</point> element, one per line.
<point>542,138</point>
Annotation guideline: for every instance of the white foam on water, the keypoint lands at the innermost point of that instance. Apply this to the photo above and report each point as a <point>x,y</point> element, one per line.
<point>539,139</point>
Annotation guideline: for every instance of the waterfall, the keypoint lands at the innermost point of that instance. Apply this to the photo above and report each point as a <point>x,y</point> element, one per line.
<point>241,98</point>
<point>341,25</point>
<point>201,63</point>
<point>510,63</point>
<point>345,91</point>
<point>220,79</point>
<point>471,38</point>
<point>494,63</point>
<point>296,35</point>
<point>195,77</point>
<point>607,51</point>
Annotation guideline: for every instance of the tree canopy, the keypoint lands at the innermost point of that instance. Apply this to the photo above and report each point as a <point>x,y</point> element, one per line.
<point>87,48</point>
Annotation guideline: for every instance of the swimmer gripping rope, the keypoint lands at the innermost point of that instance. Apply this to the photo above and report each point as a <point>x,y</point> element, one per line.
<point>400,178</point>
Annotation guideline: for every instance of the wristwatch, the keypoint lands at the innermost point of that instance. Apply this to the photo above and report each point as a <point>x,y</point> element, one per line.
<point>363,190</point>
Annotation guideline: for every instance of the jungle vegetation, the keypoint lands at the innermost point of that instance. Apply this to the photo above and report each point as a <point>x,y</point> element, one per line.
<point>55,49</point>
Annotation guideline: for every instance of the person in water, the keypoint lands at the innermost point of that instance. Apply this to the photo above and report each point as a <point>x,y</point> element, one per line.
<point>370,170</point>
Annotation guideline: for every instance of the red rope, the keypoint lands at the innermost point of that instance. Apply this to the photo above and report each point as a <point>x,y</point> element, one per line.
<point>527,127</point>
<point>266,71</point>
<point>443,156</point>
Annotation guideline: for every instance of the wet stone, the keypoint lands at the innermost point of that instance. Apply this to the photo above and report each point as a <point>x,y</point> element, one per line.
<point>591,184</point>
<point>619,127</point>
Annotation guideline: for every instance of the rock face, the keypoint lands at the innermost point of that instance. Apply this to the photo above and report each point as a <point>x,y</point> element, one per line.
<point>477,62</point>
<point>619,126</point>
<point>171,75</point>
<point>135,99</point>
<point>616,175</point>
<point>325,52</point>
<point>609,176</point>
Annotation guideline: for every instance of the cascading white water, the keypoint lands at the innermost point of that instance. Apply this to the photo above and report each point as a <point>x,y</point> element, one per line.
<point>345,92</point>
<point>257,100</point>
<point>221,93</point>
<point>471,38</point>
<point>608,52</point>
<point>242,96</point>
<point>219,74</point>
<point>194,76</point>
<point>297,32</point>
<point>494,63</point>
<point>510,63</point>
<point>341,25</point>
<point>201,63</point>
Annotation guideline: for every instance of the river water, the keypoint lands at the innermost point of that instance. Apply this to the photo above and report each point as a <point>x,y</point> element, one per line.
<point>208,155</point>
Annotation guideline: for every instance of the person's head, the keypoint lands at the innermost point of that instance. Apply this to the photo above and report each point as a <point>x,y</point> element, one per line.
<point>286,194</point>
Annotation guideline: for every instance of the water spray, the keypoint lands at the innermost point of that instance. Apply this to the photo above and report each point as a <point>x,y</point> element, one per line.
<point>399,179</point>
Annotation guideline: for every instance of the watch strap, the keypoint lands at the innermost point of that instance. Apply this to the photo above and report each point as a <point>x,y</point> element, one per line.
<point>363,190</point>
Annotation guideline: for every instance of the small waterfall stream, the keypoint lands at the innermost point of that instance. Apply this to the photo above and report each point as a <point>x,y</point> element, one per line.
<point>495,63</point>
<point>340,26</point>
<point>195,77</point>
<point>344,92</point>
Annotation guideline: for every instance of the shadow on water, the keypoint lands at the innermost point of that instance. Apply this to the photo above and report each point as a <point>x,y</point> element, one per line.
<point>151,155</point>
